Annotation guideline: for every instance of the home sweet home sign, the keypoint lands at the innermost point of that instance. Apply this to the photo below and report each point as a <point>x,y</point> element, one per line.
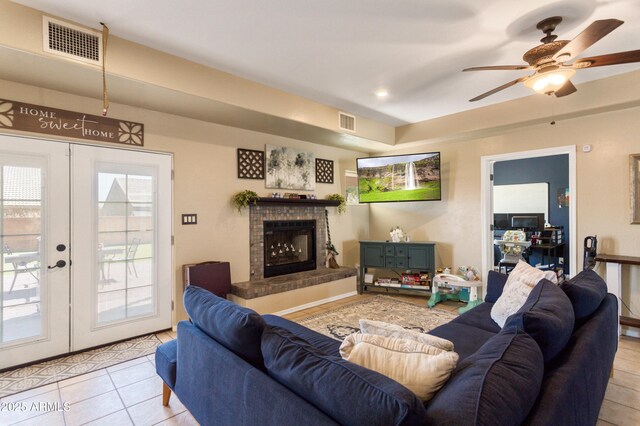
<point>35,118</point>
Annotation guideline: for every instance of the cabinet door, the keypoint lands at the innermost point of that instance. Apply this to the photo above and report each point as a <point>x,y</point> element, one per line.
<point>373,255</point>
<point>421,257</point>
<point>389,262</point>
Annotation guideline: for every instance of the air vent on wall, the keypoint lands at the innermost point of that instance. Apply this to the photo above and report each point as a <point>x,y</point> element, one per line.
<point>346,122</point>
<point>63,39</point>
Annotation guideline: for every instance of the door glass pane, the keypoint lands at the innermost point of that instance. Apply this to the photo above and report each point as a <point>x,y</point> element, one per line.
<point>20,266</point>
<point>126,237</point>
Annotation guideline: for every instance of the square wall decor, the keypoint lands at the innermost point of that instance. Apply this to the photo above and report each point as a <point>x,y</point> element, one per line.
<point>250,164</point>
<point>288,168</point>
<point>324,171</point>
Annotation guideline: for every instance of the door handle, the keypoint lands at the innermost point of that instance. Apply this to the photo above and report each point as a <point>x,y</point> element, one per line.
<point>59,264</point>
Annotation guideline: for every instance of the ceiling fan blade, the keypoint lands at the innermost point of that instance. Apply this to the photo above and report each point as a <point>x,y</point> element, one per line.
<point>497,89</point>
<point>610,59</point>
<point>586,38</point>
<point>498,67</point>
<point>565,90</point>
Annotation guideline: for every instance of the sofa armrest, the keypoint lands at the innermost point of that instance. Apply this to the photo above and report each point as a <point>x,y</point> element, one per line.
<point>220,388</point>
<point>495,285</point>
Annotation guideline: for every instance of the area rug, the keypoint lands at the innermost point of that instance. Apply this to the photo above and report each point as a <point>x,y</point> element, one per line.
<point>33,376</point>
<point>344,320</point>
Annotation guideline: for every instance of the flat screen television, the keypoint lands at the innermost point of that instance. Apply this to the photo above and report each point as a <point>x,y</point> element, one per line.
<point>409,177</point>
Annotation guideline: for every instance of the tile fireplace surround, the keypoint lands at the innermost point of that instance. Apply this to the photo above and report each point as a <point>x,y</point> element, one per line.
<point>259,214</point>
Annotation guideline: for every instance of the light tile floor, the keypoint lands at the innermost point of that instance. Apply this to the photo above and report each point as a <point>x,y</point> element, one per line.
<point>131,393</point>
<point>124,394</point>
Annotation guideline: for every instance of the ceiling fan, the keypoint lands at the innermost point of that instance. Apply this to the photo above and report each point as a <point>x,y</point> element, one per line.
<point>549,60</point>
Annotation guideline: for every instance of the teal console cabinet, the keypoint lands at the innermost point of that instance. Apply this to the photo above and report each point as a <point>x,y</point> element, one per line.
<point>381,255</point>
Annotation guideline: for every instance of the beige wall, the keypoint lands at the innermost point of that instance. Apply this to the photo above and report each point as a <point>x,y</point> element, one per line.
<point>205,180</point>
<point>130,64</point>
<point>603,206</point>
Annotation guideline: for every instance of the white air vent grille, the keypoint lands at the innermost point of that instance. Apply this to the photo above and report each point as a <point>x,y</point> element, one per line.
<point>347,122</point>
<point>61,38</point>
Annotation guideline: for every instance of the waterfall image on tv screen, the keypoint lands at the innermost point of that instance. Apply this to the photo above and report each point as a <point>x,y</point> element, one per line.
<point>411,177</point>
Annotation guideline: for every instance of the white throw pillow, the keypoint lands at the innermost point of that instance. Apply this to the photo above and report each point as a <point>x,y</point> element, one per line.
<point>391,330</point>
<point>421,368</point>
<point>516,290</point>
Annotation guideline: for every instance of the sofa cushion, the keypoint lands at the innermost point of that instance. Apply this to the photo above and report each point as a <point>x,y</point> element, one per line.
<point>516,290</point>
<point>479,317</point>
<point>466,338</point>
<point>547,316</point>
<point>497,385</point>
<point>166,360</point>
<point>326,344</point>
<point>586,292</point>
<point>495,285</point>
<point>380,328</point>
<point>238,328</point>
<point>420,367</point>
<point>349,393</point>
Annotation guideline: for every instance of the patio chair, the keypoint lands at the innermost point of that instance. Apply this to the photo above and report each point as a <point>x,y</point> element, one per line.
<point>131,255</point>
<point>21,262</point>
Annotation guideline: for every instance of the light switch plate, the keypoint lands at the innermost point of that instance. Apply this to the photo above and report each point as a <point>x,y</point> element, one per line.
<point>190,219</point>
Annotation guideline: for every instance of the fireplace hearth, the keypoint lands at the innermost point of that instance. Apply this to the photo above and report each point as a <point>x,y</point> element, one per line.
<point>289,246</point>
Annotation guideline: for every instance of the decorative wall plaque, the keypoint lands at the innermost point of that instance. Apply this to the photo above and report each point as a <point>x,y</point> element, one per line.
<point>324,171</point>
<point>40,119</point>
<point>250,164</point>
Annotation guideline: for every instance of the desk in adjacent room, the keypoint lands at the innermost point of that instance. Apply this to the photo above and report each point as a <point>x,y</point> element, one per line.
<point>550,251</point>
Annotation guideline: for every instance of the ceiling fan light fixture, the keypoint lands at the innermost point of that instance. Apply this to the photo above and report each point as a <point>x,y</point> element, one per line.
<point>548,82</point>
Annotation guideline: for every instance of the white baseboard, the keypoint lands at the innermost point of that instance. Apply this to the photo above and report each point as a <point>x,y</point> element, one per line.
<point>630,331</point>
<point>315,303</point>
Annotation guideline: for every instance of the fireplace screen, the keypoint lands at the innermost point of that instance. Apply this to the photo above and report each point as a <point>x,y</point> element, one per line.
<point>289,246</point>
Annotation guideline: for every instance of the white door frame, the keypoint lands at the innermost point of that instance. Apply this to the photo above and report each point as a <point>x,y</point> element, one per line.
<point>486,201</point>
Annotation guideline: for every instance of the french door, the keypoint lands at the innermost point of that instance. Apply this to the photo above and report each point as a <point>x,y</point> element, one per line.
<point>86,237</point>
<point>34,202</point>
<point>121,244</point>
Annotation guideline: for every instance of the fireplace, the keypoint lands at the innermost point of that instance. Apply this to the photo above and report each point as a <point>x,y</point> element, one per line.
<point>289,246</point>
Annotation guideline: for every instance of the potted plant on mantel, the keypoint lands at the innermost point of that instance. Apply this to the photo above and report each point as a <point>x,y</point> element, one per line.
<point>243,198</point>
<point>342,207</point>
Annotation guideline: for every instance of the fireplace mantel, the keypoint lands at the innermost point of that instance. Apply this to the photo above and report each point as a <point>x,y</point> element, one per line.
<point>269,201</point>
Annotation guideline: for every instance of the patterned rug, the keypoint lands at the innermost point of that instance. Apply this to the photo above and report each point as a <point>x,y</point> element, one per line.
<point>342,321</point>
<point>33,376</point>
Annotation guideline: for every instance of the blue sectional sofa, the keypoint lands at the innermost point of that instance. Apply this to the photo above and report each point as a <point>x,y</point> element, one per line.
<point>549,364</point>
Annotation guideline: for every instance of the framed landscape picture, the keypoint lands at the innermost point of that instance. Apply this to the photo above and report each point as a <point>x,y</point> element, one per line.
<point>288,168</point>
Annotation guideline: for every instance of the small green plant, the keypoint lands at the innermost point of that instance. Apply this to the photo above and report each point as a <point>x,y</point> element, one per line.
<point>242,199</point>
<point>342,207</point>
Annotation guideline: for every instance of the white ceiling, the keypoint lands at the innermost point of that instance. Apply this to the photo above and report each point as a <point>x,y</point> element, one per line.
<point>340,52</point>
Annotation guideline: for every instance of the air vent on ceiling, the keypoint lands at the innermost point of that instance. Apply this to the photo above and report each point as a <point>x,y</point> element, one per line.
<point>346,122</point>
<point>63,39</point>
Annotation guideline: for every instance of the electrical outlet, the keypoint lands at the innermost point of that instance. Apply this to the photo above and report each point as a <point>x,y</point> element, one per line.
<point>190,219</point>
